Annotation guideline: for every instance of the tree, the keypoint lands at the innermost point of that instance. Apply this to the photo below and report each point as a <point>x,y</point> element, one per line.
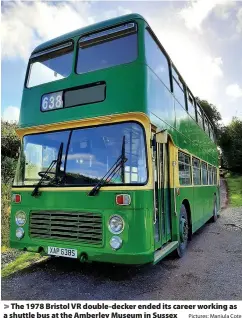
<point>213,114</point>
<point>9,151</point>
<point>9,154</point>
<point>9,139</point>
<point>231,144</point>
<point>229,137</point>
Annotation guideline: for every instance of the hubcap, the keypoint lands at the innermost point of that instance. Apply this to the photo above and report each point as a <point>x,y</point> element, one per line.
<point>215,209</point>
<point>183,230</point>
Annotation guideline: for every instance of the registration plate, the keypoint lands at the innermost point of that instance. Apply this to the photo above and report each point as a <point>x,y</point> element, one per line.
<point>64,252</point>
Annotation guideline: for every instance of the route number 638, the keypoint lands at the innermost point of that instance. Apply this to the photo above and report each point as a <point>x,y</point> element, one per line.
<point>52,101</point>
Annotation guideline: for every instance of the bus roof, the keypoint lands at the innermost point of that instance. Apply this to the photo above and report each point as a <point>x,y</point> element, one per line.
<point>89,28</point>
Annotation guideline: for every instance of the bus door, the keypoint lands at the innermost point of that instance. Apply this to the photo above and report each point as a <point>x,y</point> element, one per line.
<point>162,216</point>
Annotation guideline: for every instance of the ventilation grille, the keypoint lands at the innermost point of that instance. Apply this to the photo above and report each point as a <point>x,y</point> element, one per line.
<point>67,226</point>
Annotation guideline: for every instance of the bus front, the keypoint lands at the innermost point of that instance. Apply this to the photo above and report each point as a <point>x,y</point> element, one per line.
<point>82,187</point>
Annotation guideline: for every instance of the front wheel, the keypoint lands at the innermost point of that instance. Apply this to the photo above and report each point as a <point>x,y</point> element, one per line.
<point>183,232</point>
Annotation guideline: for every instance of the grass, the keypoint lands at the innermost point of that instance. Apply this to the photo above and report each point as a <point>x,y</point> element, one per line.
<point>21,262</point>
<point>234,189</point>
<point>18,261</point>
<point>4,248</point>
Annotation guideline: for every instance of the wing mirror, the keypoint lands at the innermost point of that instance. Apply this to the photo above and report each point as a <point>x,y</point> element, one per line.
<point>160,137</point>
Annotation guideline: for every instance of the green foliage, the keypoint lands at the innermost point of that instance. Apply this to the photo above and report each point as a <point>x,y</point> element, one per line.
<point>9,151</point>
<point>229,138</point>
<point>10,145</point>
<point>5,215</point>
<point>235,189</point>
<point>231,144</point>
<point>9,139</point>
<point>8,169</point>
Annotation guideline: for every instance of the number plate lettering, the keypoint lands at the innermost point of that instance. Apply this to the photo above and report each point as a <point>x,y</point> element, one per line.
<point>65,252</point>
<point>52,101</point>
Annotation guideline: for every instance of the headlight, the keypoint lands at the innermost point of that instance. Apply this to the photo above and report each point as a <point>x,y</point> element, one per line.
<point>20,233</point>
<point>20,218</point>
<point>116,224</point>
<point>116,242</point>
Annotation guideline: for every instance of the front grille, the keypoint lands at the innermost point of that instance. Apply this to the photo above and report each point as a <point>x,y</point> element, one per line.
<point>67,226</point>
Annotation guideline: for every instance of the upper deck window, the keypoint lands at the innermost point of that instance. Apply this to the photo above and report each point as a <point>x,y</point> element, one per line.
<point>107,48</point>
<point>206,126</point>
<point>50,65</point>
<point>199,116</point>
<point>190,105</point>
<point>178,87</point>
<point>156,59</point>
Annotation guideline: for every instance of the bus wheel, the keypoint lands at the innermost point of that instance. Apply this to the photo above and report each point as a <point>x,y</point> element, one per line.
<point>183,232</point>
<point>215,210</point>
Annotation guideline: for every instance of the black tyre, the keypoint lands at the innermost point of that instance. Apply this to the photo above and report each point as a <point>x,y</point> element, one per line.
<point>215,210</point>
<point>183,232</point>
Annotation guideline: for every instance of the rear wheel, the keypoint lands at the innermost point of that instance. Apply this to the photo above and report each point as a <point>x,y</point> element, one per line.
<point>215,210</point>
<point>183,232</point>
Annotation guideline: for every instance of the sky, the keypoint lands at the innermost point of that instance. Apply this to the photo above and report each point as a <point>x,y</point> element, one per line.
<point>203,38</point>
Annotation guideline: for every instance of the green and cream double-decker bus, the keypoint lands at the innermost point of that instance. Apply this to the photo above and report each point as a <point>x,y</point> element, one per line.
<point>118,161</point>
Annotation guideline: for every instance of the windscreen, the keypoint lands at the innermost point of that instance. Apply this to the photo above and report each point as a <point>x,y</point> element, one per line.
<point>88,154</point>
<point>37,153</point>
<point>50,65</point>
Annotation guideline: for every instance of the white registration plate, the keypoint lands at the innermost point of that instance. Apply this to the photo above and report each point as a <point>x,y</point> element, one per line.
<point>64,252</point>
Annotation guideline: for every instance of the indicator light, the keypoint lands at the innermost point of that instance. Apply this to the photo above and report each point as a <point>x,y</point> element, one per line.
<point>16,198</point>
<point>123,199</point>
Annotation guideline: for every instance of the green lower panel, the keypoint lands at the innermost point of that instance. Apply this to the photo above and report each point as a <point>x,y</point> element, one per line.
<point>50,219</point>
<point>201,202</point>
<point>72,219</point>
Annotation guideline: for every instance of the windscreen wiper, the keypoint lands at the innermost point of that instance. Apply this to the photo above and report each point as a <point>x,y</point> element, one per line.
<point>58,162</point>
<point>119,163</point>
<point>44,174</point>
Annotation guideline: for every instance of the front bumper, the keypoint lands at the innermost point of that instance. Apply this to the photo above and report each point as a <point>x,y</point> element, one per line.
<point>92,254</point>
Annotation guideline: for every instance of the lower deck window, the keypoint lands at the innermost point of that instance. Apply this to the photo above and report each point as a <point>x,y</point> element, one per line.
<point>204,173</point>
<point>215,176</point>
<point>210,175</point>
<point>196,171</point>
<point>184,162</point>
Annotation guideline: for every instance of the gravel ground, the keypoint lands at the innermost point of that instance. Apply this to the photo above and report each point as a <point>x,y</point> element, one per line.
<point>211,270</point>
<point>223,194</point>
